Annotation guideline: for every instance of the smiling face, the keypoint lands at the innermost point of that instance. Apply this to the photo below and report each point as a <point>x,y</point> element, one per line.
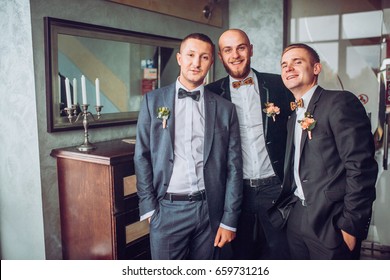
<point>195,59</point>
<point>235,52</point>
<point>299,71</point>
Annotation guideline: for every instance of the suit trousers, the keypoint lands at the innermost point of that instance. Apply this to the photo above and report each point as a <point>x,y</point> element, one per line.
<point>256,237</point>
<point>304,245</point>
<point>181,230</point>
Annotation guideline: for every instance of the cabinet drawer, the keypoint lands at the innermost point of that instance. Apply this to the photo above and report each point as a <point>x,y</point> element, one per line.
<point>138,249</point>
<point>132,236</point>
<point>125,192</point>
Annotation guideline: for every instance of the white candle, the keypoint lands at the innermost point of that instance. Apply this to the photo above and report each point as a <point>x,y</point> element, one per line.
<point>59,89</point>
<point>67,88</point>
<point>83,90</point>
<point>74,91</point>
<point>97,85</point>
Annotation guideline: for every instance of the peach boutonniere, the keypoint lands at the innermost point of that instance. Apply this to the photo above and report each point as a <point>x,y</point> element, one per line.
<point>163,114</point>
<point>271,110</point>
<point>308,123</point>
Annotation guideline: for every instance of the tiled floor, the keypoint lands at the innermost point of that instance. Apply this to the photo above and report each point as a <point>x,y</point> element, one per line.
<point>374,251</point>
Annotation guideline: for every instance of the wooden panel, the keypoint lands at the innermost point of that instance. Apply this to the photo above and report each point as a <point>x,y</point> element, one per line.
<point>123,202</point>
<point>107,152</point>
<point>136,230</point>
<point>129,183</point>
<point>86,211</point>
<point>139,248</point>
<point>190,10</point>
<point>99,204</point>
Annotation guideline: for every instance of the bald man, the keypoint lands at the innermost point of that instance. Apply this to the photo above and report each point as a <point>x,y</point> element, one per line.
<point>262,103</point>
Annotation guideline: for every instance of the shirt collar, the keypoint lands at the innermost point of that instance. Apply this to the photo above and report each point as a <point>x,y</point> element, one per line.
<point>308,95</point>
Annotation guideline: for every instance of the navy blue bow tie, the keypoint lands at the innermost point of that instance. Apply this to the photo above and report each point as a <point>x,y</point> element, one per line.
<point>195,95</point>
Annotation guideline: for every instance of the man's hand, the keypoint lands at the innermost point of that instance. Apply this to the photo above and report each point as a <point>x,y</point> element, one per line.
<point>350,240</point>
<point>223,236</point>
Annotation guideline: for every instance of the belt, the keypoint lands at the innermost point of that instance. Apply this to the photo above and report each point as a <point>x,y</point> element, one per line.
<point>196,196</point>
<point>261,182</point>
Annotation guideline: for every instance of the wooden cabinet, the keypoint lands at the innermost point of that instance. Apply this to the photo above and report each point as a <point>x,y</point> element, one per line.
<point>99,204</point>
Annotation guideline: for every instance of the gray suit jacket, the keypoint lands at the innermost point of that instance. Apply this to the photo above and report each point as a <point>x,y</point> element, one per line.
<point>154,155</point>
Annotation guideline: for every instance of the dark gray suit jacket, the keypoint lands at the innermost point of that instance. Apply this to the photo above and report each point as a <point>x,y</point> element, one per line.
<point>337,167</point>
<point>271,89</point>
<point>154,155</point>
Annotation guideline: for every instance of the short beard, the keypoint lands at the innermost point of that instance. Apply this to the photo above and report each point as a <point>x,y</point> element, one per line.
<point>238,75</point>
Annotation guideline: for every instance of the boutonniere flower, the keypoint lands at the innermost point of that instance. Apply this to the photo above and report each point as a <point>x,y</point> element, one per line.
<point>271,110</point>
<point>163,114</point>
<point>308,123</point>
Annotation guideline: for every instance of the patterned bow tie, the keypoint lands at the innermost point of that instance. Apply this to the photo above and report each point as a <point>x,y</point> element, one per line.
<point>247,81</point>
<point>195,95</point>
<point>296,104</point>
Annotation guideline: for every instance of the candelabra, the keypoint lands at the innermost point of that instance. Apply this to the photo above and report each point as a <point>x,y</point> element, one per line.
<point>72,112</point>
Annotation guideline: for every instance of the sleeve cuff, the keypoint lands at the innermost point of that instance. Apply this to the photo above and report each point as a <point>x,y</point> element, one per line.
<point>227,227</point>
<point>147,215</point>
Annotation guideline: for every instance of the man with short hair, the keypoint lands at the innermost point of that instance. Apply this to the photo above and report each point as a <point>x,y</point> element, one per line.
<point>330,169</point>
<point>188,161</point>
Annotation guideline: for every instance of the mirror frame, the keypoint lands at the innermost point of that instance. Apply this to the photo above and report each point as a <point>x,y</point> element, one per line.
<point>52,28</point>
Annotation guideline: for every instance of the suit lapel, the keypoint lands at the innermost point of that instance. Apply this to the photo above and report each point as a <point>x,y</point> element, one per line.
<point>169,101</point>
<point>290,139</point>
<point>210,114</point>
<point>288,160</point>
<point>311,108</point>
<point>225,89</point>
<point>264,98</point>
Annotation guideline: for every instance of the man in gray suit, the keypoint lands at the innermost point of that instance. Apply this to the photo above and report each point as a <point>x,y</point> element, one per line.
<point>188,161</point>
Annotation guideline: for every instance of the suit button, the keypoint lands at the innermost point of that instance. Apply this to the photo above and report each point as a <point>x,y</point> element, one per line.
<point>171,160</point>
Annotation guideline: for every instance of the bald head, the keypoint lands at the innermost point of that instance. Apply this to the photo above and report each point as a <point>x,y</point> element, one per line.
<point>232,33</point>
<point>235,52</point>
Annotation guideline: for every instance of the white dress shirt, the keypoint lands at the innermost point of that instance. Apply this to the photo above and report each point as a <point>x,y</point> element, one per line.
<point>300,111</point>
<point>256,162</point>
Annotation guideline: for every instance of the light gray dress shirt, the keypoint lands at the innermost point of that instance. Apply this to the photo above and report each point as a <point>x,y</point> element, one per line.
<point>187,175</point>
